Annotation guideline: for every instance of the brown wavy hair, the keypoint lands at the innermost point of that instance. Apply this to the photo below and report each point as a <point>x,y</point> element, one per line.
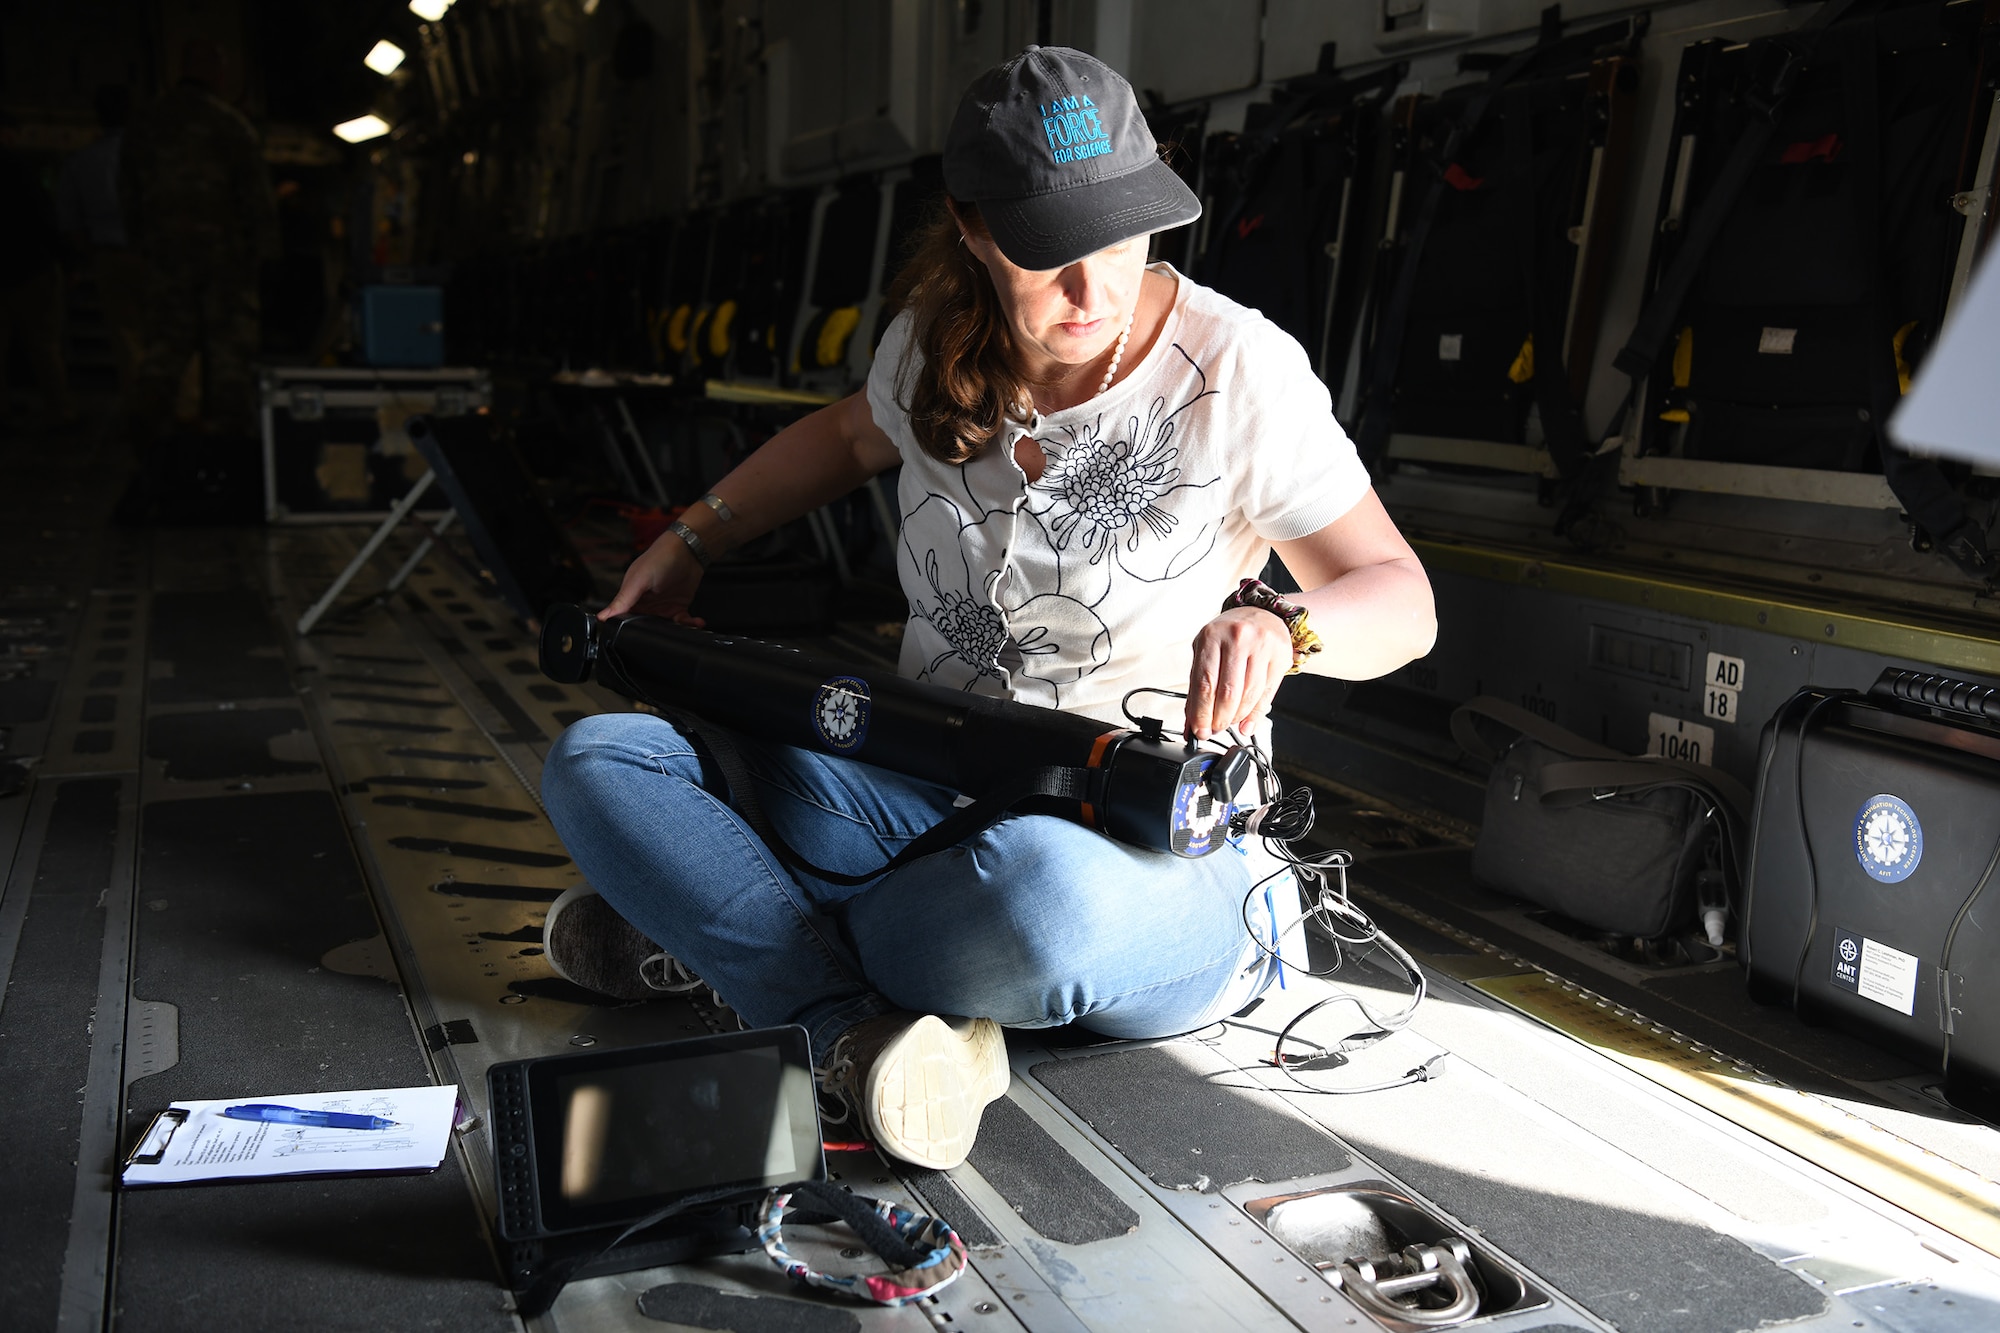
<point>966,388</point>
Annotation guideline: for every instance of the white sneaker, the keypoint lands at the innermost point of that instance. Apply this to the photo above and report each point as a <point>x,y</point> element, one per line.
<point>920,1082</point>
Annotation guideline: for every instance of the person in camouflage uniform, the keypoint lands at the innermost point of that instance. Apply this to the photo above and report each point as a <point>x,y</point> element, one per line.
<point>198,205</point>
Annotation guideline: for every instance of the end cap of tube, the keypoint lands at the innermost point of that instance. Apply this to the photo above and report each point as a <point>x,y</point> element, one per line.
<point>569,644</point>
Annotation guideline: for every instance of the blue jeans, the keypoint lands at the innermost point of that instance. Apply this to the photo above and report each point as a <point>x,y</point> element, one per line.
<point>1035,922</point>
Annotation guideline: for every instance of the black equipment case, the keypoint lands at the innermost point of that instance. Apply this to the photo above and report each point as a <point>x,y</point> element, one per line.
<point>1872,896</point>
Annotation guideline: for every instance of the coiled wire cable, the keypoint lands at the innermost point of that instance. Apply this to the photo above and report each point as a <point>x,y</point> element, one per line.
<point>1280,819</point>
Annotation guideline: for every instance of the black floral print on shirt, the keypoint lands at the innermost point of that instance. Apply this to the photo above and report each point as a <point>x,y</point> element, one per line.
<point>1114,504</point>
<point>1108,491</point>
<point>974,611</point>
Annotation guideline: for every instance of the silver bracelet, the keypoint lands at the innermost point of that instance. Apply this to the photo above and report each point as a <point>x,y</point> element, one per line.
<point>722,511</point>
<point>696,546</point>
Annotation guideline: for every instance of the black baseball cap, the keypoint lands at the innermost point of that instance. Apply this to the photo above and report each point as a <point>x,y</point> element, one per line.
<point>1053,149</point>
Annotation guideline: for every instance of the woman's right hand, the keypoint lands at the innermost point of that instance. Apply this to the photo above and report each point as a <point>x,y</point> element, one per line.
<point>661,582</point>
<point>811,462</point>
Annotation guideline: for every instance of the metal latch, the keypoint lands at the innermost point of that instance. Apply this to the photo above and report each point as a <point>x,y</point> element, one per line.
<point>1396,1286</point>
<point>451,401</point>
<point>307,402</point>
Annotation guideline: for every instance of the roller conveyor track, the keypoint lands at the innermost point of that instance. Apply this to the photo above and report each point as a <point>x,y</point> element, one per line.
<point>321,863</point>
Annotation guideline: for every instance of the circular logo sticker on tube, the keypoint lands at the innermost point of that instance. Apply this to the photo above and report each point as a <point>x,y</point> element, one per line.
<point>1888,840</point>
<point>840,713</point>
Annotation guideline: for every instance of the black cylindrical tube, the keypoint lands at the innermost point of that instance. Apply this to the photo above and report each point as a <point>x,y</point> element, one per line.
<point>1141,791</point>
<point>952,737</point>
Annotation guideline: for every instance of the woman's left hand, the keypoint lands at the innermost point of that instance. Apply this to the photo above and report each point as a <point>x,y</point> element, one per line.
<point>1240,659</point>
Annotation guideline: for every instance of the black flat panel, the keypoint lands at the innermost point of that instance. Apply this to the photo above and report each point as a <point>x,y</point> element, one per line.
<point>219,646</point>
<point>529,557</point>
<point>201,747</point>
<point>45,1045</point>
<point>1052,1191</point>
<point>242,896</point>
<point>945,1199</point>
<point>1184,1131</point>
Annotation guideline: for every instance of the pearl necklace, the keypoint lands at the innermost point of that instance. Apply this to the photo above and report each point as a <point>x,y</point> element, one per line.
<point>1118,354</point>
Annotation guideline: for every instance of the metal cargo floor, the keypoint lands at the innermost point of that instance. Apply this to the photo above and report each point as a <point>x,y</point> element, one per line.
<point>249,863</point>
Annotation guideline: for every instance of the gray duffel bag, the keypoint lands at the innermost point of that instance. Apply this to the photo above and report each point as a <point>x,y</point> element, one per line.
<point>1615,842</point>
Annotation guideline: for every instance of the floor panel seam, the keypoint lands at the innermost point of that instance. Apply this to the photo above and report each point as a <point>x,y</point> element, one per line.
<point>87,1260</point>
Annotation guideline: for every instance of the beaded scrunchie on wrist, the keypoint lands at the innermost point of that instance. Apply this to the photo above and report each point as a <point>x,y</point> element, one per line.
<point>1254,592</point>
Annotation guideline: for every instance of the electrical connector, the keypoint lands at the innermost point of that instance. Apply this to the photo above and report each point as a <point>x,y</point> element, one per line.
<point>1428,1070</point>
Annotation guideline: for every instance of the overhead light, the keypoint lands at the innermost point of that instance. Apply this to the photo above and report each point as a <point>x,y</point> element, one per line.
<point>384,57</point>
<point>361,129</point>
<point>430,11</point>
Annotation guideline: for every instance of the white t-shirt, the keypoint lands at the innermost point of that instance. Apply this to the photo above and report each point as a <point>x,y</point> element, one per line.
<point>1158,497</point>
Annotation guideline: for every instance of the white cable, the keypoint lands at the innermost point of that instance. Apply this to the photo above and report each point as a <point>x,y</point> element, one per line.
<point>1332,909</point>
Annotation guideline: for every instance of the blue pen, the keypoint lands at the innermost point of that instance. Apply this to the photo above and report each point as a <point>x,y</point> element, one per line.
<point>292,1115</point>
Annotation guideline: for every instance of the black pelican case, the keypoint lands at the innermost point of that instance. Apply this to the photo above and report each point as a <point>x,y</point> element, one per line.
<point>1871,896</point>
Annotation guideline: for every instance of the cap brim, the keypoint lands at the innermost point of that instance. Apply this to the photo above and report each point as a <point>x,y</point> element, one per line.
<point>1047,231</point>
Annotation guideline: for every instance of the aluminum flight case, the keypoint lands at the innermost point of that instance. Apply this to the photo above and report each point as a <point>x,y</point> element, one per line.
<point>1871,901</point>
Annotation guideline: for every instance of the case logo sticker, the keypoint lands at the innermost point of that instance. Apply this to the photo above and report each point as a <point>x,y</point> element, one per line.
<point>840,713</point>
<point>1888,840</point>
<point>1874,971</point>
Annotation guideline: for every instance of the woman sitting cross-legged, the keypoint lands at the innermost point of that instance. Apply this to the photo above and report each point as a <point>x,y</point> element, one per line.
<point>1096,454</point>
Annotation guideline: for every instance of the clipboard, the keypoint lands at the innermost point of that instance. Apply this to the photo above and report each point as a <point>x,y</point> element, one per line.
<point>152,1145</point>
<point>383,1131</point>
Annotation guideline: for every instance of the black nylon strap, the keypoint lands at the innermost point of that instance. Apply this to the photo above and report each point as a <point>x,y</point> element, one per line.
<point>1649,334</point>
<point>1312,98</point>
<point>1594,766</point>
<point>983,813</point>
<point>1920,485</point>
<point>1562,425</point>
<point>1639,356</point>
<point>1635,775</point>
<point>1515,718</point>
<point>1372,437</point>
